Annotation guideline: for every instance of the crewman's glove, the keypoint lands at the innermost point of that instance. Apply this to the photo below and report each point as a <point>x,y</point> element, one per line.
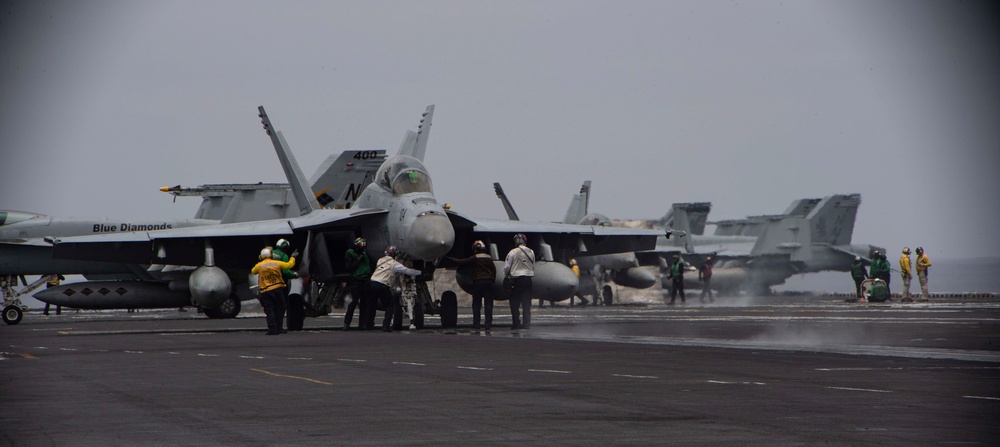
<point>295,254</point>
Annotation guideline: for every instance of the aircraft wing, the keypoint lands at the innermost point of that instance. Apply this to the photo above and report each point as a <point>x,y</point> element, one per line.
<point>564,239</point>
<point>26,242</point>
<point>234,245</point>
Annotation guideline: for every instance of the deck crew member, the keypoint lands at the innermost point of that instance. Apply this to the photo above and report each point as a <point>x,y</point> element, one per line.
<point>382,280</point>
<point>484,274</point>
<point>520,265</point>
<point>271,286</point>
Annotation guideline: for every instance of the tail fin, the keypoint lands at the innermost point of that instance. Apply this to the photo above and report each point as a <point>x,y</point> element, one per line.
<point>300,189</point>
<point>802,207</point>
<point>340,179</point>
<point>511,214</point>
<point>677,220</point>
<point>695,217</point>
<point>416,145</point>
<point>832,219</point>
<point>784,235</point>
<point>578,205</point>
<point>751,226</point>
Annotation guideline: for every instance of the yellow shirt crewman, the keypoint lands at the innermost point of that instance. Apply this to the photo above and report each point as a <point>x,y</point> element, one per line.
<point>923,264</point>
<point>904,271</point>
<point>272,289</point>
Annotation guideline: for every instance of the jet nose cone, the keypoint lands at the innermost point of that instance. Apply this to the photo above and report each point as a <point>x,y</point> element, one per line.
<point>431,237</point>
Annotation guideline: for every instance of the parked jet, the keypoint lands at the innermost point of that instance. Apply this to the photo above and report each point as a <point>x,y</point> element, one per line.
<point>25,244</point>
<point>598,270</point>
<point>813,235</point>
<point>26,250</point>
<point>397,208</point>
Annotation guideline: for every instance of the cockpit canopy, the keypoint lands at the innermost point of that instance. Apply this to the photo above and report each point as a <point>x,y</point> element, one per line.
<point>403,175</point>
<point>594,219</point>
<point>13,217</point>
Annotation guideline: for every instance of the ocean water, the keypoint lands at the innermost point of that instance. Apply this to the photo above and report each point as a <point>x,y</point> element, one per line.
<point>946,275</point>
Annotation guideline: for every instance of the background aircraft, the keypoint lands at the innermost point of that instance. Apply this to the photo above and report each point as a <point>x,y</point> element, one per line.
<point>759,252</point>
<point>598,270</point>
<point>397,208</point>
<point>751,255</point>
<point>26,250</point>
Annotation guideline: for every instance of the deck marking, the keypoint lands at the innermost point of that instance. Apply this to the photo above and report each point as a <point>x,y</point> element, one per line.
<point>982,397</point>
<point>857,389</point>
<point>291,377</point>
<point>629,376</point>
<point>553,371</point>
<point>409,363</point>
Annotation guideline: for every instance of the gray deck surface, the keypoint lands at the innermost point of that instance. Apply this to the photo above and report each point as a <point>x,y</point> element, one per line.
<point>778,371</point>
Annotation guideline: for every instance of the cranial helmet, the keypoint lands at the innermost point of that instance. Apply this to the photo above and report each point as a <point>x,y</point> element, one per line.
<point>360,242</point>
<point>282,244</point>
<point>857,258</point>
<point>572,262</point>
<point>265,254</point>
<point>520,239</point>
<point>906,250</point>
<point>920,250</point>
<point>390,250</point>
<point>478,246</point>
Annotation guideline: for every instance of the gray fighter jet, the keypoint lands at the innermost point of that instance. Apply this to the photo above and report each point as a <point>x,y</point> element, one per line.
<point>26,249</point>
<point>596,271</point>
<point>759,252</point>
<point>397,208</point>
<point>751,255</point>
<point>26,243</point>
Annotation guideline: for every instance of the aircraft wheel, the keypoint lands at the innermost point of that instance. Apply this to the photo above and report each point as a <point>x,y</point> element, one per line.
<point>449,309</point>
<point>608,295</point>
<point>12,314</point>
<point>418,315</point>
<point>229,308</point>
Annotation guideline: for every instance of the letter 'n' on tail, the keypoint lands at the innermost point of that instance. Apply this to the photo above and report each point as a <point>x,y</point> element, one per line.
<point>296,179</point>
<point>832,220</point>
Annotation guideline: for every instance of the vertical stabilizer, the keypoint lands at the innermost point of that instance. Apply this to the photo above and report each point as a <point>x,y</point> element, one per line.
<point>802,207</point>
<point>416,146</point>
<point>296,179</point>
<point>340,179</point>
<point>679,222</point>
<point>511,214</point>
<point>695,215</point>
<point>832,220</point>
<point>409,144</point>
<point>784,235</point>
<point>578,205</point>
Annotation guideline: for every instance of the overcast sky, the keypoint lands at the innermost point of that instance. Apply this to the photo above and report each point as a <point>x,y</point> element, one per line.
<point>748,104</point>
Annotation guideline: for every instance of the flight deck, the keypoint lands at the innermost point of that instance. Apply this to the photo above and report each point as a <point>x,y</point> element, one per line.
<point>777,371</point>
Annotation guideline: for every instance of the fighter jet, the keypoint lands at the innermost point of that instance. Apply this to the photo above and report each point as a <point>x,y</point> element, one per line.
<point>26,249</point>
<point>596,271</point>
<point>397,208</point>
<point>757,253</point>
<point>26,243</point>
